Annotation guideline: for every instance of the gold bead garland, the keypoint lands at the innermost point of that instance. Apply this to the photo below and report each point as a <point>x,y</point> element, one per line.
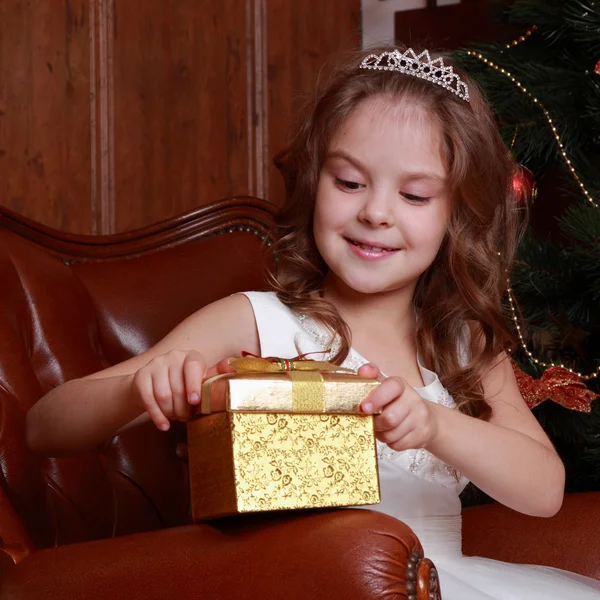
<point>522,38</point>
<point>532,358</point>
<point>511,299</point>
<point>548,118</point>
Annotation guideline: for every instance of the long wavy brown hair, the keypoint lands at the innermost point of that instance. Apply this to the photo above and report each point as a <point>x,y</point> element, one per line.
<point>463,288</point>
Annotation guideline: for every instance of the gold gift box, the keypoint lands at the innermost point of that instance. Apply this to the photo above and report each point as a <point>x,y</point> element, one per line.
<point>289,440</point>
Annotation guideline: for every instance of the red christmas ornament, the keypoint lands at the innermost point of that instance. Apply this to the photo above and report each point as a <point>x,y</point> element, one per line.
<point>524,185</point>
<point>556,384</point>
<point>597,68</point>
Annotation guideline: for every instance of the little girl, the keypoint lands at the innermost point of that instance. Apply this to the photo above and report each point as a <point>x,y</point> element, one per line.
<point>392,247</point>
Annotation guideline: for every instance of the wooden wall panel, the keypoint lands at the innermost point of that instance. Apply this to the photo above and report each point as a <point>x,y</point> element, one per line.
<point>179,107</point>
<point>302,37</point>
<point>116,114</point>
<point>45,170</point>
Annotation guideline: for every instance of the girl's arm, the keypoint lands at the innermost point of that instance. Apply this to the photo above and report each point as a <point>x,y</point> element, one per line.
<point>82,413</point>
<point>510,457</point>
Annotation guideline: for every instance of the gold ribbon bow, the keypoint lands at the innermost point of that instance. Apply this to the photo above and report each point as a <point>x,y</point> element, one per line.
<point>305,374</point>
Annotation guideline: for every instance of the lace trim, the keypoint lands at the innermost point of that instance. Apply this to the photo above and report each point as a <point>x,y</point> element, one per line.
<point>422,463</point>
<point>317,333</point>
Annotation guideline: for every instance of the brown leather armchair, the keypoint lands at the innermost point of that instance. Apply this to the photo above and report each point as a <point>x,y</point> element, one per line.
<point>116,522</point>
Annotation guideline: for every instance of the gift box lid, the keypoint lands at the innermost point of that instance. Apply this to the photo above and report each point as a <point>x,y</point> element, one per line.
<point>314,387</point>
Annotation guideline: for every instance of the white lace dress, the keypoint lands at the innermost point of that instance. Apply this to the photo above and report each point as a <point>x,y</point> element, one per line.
<point>420,489</point>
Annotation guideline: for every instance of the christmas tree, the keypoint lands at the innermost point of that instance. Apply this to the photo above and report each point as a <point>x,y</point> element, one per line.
<point>545,89</point>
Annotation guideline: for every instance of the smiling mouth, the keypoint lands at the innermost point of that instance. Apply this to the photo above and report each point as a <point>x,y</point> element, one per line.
<point>369,248</point>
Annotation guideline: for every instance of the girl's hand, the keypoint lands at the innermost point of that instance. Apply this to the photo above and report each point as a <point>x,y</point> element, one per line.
<point>169,386</point>
<point>406,420</point>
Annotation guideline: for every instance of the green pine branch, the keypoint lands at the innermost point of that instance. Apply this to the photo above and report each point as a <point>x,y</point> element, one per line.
<point>556,282</point>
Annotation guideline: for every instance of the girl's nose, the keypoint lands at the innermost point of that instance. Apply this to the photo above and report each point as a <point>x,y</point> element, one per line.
<point>377,210</point>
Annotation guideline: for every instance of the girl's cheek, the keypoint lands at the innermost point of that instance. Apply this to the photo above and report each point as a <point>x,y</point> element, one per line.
<point>417,231</point>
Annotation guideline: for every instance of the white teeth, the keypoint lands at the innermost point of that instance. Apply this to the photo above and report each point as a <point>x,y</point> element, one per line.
<point>371,248</point>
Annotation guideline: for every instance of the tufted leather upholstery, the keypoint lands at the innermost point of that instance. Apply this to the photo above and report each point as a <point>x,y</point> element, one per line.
<point>65,321</point>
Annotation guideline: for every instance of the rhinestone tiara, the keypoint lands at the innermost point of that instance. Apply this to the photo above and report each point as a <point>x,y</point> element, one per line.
<point>419,66</point>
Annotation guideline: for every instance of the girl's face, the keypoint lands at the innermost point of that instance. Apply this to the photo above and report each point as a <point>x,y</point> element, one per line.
<point>382,203</point>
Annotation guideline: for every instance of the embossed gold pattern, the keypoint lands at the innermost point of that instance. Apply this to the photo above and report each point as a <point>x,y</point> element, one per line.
<point>291,461</point>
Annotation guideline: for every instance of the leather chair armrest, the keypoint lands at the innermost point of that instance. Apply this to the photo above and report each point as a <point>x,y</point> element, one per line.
<point>570,540</point>
<point>347,554</point>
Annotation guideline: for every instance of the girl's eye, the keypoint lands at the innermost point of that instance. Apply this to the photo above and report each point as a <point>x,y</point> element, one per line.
<point>351,186</point>
<point>413,198</point>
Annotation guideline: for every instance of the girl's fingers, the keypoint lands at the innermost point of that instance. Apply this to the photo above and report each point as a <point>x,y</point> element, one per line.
<point>218,388</point>
<point>371,371</point>
<point>393,415</point>
<point>388,391</point>
<point>193,373</point>
<point>396,434</point>
<point>411,440</point>
<point>220,368</point>
<point>145,387</point>
<point>162,393</point>
<point>181,408</point>
<point>195,378</point>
